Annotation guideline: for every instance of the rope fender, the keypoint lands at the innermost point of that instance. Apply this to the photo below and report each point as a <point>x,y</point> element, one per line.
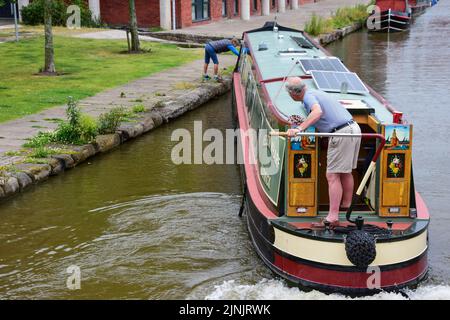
<point>360,248</point>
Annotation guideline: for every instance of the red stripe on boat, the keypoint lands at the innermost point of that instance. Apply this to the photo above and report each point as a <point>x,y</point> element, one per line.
<point>356,280</point>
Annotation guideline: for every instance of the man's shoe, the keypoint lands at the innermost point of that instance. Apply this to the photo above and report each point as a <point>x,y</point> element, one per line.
<point>321,224</point>
<point>206,78</point>
<point>218,78</point>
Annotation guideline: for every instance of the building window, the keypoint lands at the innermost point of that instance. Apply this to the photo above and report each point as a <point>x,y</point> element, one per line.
<point>200,10</point>
<point>255,5</point>
<point>236,7</point>
<point>224,8</point>
<point>273,3</point>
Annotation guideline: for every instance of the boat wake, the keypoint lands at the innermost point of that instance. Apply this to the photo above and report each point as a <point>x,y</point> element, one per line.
<point>277,290</point>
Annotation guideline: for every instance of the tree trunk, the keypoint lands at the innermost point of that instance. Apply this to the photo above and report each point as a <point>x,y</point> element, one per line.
<point>49,52</point>
<point>135,45</point>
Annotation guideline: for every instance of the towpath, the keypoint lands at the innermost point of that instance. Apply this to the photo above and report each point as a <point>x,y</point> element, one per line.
<point>291,18</point>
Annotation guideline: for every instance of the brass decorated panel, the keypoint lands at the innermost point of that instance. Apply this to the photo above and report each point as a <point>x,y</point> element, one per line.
<point>395,186</point>
<point>302,194</point>
<point>395,194</point>
<point>302,182</point>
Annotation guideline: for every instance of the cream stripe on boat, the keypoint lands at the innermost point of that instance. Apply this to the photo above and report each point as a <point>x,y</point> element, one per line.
<point>334,252</point>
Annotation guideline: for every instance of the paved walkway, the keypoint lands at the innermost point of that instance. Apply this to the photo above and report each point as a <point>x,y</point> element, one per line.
<point>13,134</point>
<point>291,18</point>
<point>6,23</point>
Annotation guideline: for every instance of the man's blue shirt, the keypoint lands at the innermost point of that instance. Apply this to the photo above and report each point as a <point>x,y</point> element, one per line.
<point>333,113</point>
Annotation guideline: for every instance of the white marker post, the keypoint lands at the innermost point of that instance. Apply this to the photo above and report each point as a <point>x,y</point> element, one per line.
<point>16,22</point>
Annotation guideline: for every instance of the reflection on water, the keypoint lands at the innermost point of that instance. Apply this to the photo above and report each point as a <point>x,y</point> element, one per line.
<point>136,225</point>
<point>140,227</point>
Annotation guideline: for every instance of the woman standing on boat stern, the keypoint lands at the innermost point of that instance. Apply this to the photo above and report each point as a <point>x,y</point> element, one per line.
<point>328,115</point>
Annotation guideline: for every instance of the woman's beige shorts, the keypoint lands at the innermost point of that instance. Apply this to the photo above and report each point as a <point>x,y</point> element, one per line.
<point>342,156</point>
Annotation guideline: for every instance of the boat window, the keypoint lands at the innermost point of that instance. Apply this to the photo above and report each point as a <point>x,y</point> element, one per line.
<point>246,69</point>
<point>250,93</point>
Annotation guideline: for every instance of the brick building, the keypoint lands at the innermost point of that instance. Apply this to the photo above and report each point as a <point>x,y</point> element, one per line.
<point>185,13</point>
<point>176,14</point>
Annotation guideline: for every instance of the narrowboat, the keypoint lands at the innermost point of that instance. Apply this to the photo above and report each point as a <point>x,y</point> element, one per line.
<point>396,15</point>
<point>418,6</point>
<point>381,242</point>
<point>393,16</point>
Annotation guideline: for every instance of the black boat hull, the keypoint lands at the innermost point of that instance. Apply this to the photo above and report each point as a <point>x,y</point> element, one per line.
<point>307,275</point>
<point>391,21</point>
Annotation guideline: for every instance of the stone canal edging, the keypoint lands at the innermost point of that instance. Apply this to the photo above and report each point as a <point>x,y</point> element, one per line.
<point>338,34</point>
<point>18,176</point>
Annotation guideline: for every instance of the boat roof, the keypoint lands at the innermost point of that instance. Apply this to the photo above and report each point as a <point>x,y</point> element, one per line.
<point>279,59</point>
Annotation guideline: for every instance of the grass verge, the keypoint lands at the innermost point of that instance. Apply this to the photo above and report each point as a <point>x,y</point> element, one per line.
<point>87,67</point>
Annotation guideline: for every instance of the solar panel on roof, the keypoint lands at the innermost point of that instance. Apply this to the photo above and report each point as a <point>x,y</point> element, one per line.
<point>303,43</point>
<point>328,64</point>
<point>331,81</point>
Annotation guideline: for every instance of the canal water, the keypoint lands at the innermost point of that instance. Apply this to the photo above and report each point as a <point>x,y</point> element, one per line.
<point>137,226</point>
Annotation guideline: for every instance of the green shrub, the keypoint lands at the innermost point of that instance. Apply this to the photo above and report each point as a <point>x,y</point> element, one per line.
<point>110,121</point>
<point>138,108</point>
<point>88,127</point>
<point>343,17</point>
<point>40,140</point>
<point>78,129</point>
<point>317,25</point>
<point>33,14</point>
<point>65,133</point>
